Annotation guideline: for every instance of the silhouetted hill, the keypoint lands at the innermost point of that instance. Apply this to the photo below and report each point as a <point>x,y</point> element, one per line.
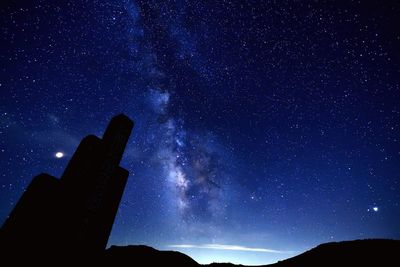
<point>224,265</point>
<point>371,252</point>
<point>146,256</point>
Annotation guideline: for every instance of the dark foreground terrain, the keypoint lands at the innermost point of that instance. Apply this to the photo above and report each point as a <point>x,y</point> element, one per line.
<point>371,252</point>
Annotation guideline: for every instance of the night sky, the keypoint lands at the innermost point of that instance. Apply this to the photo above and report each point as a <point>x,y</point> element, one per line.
<point>262,128</point>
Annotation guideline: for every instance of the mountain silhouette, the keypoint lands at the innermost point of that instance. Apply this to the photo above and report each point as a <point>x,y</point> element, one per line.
<point>119,256</point>
<point>368,252</point>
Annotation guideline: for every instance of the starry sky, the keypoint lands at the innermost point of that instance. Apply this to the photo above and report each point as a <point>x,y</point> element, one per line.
<point>262,128</point>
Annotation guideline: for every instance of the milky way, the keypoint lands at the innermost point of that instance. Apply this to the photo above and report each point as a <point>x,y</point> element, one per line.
<point>190,161</point>
<point>262,128</point>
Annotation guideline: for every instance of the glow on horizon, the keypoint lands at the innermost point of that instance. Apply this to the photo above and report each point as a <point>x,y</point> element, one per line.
<point>236,254</point>
<point>230,247</point>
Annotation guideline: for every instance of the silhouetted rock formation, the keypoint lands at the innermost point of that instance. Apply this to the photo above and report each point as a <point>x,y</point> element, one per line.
<point>77,211</point>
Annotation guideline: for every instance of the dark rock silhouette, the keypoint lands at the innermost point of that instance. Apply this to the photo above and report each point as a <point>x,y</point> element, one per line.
<point>76,212</point>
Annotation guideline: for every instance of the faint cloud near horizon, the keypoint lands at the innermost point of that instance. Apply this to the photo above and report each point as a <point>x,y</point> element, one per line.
<point>231,247</point>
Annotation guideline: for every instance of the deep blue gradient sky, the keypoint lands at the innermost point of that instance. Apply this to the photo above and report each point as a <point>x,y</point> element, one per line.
<point>265,125</point>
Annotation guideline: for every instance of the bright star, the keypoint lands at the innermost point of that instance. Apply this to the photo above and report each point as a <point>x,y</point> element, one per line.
<point>59,155</point>
<point>375,209</point>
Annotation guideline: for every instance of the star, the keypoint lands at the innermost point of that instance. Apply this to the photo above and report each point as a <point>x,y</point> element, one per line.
<point>59,154</point>
<point>374,209</point>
